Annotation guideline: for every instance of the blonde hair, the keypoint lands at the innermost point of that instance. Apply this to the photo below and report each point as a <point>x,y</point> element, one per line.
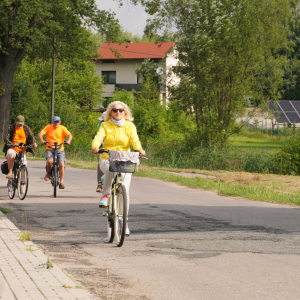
<point>128,114</point>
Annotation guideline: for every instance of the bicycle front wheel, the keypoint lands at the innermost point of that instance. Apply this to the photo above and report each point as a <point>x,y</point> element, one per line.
<point>54,170</point>
<point>110,221</point>
<point>120,216</point>
<point>11,185</point>
<point>22,182</point>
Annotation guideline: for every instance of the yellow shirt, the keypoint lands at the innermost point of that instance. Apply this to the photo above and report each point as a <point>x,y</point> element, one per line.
<point>55,135</point>
<point>20,137</point>
<point>117,138</point>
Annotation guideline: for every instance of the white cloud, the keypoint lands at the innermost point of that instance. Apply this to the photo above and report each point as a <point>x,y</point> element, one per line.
<point>132,18</point>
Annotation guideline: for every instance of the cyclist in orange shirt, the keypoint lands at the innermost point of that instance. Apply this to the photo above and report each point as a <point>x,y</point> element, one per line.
<point>17,133</point>
<point>55,133</point>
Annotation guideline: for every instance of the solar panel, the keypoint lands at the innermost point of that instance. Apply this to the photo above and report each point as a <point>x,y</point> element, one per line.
<point>293,117</point>
<point>296,104</point>
<point>288,111</point>
<point>283,119</point>
<point>286,106</point>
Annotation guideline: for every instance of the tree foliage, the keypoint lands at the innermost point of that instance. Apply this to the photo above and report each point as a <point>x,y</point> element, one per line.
<point>291,77</point>
<point>226,50</point>
<point>78,91</point>
<point>40,27</point>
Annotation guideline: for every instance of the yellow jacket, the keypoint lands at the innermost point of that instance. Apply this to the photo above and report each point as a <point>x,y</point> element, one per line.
<point>117,138</point>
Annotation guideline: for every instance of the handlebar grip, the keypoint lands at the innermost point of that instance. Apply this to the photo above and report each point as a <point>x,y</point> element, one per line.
<point>100,151</point>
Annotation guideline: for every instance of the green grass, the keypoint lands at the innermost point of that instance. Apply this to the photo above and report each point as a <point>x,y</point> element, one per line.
<point>263,142</point>
<point>6,210</point>
<point>25,236</point>
<point>223,188</point>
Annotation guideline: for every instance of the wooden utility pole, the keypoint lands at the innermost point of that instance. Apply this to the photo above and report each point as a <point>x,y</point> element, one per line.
<point>53,80</point>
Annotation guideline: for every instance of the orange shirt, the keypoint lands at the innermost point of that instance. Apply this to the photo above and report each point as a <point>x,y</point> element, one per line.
<point>55,135</point>
<point>20,137</point>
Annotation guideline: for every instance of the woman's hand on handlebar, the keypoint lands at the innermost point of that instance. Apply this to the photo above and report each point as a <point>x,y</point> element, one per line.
<point>95,150</point>
<point>142,152</point>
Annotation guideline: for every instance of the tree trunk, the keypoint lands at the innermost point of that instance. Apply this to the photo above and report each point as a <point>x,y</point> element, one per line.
<point>8,66</point>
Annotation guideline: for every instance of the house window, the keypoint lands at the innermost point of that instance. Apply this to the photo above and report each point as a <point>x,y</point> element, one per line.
<point>108,61</point>
<point>109,77</point>
<point>155,60</point>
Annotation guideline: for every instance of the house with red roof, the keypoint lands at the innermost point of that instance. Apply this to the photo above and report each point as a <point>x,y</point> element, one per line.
<point>117,64</point>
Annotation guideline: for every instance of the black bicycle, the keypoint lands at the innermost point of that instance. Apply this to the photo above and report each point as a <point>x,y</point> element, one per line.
<point>19,180</point>
<point>54,174</point>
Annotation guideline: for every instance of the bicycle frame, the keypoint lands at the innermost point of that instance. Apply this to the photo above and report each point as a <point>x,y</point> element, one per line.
<point>115,185</point>
<point>55,166</point>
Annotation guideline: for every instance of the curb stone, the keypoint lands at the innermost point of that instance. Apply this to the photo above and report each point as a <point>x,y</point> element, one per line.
<point>23,272</point>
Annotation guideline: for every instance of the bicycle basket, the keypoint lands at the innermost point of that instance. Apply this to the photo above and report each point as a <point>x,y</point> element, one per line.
<point>4,168</point>
<point>121,161</point>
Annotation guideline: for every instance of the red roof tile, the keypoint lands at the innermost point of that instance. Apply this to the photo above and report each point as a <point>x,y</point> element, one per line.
<point>134,50</point>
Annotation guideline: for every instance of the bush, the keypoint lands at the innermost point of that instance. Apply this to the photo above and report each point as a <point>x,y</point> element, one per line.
<point>288,158</point>
<point>179,154</point>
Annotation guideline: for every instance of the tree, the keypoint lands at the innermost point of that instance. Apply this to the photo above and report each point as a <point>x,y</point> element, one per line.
<point>35,27</point>
<point>78,91</point>
<point>149,115</point>
<point>291,77</point>
<point>224,49</point>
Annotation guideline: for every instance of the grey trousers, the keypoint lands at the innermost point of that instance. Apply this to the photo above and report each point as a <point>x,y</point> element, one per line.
<point>99,172</point>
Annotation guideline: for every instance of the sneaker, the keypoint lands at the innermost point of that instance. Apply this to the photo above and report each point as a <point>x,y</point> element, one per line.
<point>47,177</point>
<point>61,186</point>
<point>99,188</point>
<point>9,176</point>
<point>103,201</point>
<point>22,190</point>
<point>127,232</point>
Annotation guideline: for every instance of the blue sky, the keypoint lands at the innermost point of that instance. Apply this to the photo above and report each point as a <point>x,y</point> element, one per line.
<point>132,18</point>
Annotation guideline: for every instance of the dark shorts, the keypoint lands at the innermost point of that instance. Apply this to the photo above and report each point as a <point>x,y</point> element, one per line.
<point>60,155</point>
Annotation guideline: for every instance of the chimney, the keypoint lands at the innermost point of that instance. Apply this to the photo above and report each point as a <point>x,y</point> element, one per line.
<point>110,40</point>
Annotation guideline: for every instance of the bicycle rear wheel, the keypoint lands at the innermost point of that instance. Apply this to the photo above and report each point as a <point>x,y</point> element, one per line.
<point>11,185</point>
<point>120,216</point>
<point>22,182</point>
<point>110,221</point>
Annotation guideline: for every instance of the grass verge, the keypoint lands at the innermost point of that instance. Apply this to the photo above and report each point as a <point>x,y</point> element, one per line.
<point>249,189</point>
<point>6,210</point>
<point>261,187</point>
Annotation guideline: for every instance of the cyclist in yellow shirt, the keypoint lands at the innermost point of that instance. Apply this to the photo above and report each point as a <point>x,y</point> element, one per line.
<point>120,134</point>
<point>55,133</point>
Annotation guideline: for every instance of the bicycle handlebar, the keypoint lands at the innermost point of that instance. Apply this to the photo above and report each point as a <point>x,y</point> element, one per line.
<point>57,145</point>
<point>100,151</point>
<point>21,146</point>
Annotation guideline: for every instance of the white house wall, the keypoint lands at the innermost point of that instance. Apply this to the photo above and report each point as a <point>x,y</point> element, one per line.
<point>125,71</point>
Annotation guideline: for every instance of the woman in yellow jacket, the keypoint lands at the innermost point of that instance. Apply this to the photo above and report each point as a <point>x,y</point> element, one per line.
<point>120,134</point>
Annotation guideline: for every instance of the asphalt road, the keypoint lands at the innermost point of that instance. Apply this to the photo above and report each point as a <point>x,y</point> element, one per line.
<point>184,243</point>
